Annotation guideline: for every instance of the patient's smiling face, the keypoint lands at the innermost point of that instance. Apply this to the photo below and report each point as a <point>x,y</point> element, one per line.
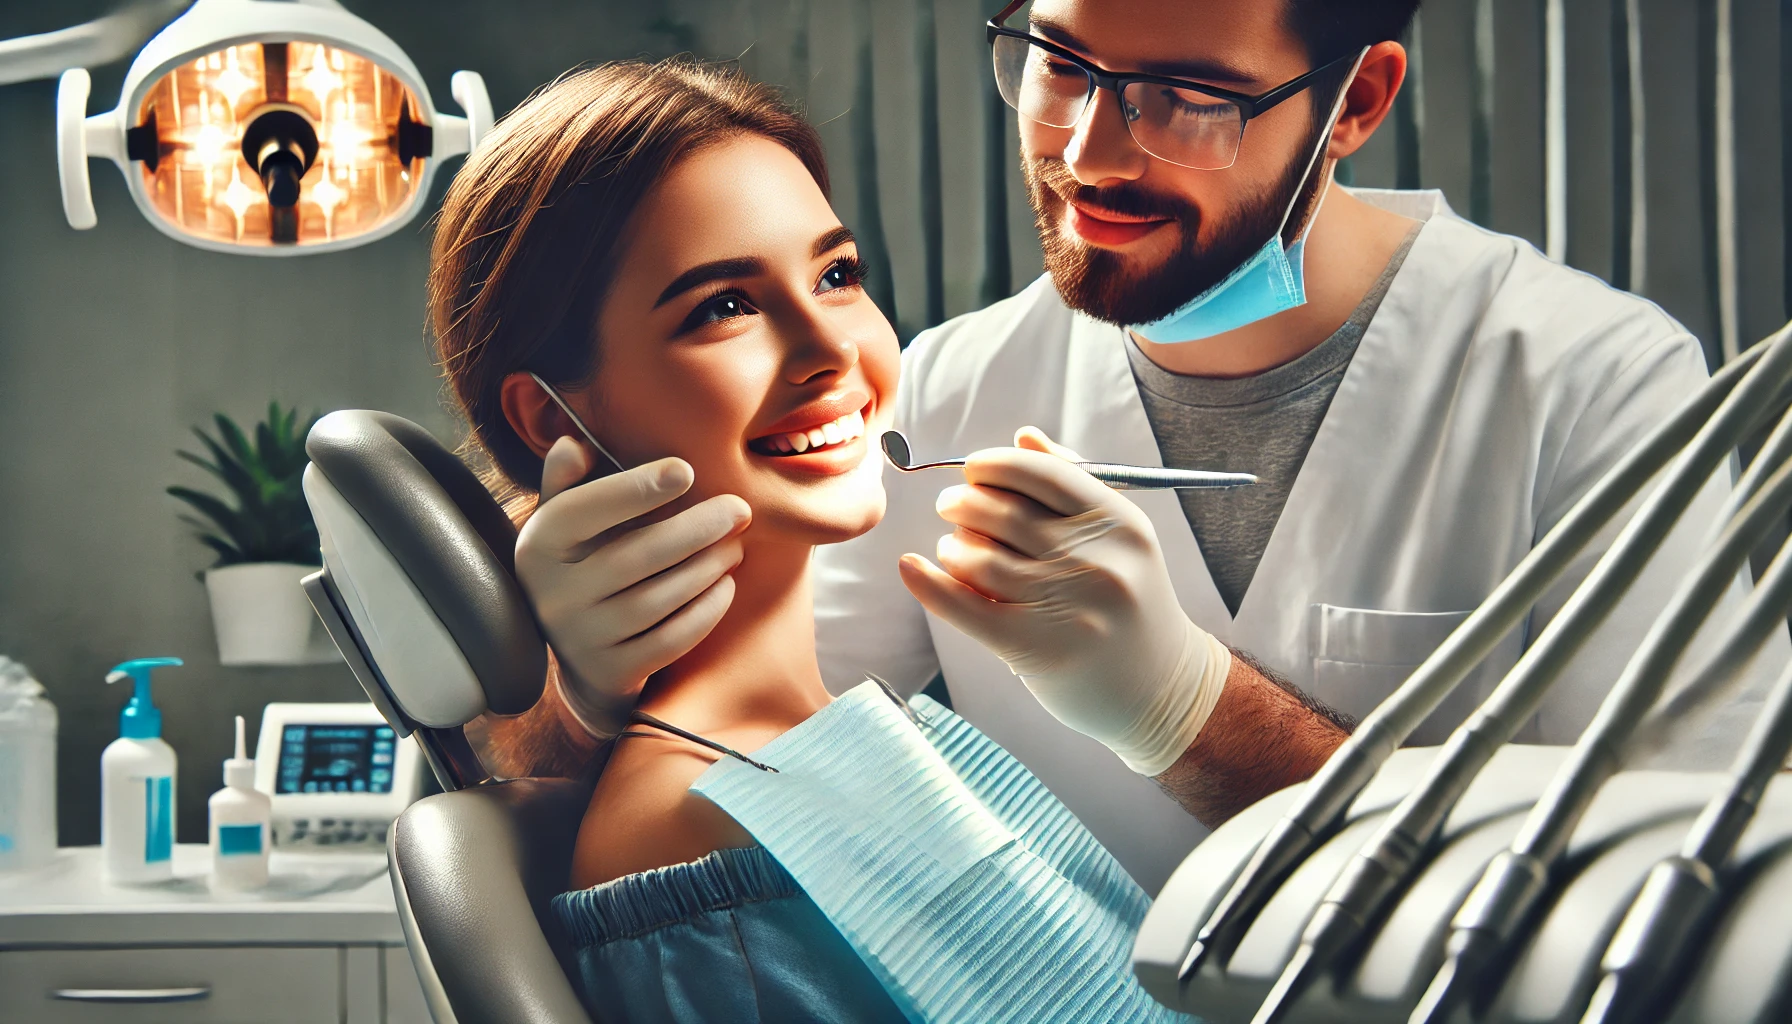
<point>736,336</point>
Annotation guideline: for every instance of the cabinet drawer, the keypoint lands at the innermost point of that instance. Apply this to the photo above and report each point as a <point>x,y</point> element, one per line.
<point>267,985</point>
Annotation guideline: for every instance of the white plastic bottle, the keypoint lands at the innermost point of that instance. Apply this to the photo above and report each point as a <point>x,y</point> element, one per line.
<point>241,820</point>
<point>137,786</point>
<point>27,771</point>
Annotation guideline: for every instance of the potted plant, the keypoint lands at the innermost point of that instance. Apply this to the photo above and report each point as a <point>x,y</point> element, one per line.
<point>266,541</point>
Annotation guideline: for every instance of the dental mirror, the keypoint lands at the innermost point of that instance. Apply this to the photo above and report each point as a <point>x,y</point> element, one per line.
<point>1120,478</point>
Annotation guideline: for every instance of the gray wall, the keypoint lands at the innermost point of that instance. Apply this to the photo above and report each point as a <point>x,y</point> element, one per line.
<point>114,341</point>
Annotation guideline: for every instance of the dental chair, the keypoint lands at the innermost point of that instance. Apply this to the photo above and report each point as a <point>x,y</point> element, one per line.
<point>418,591</point>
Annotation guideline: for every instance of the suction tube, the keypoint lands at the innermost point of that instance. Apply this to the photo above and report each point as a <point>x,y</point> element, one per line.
<point>1323,801</point>
<point>1676,901</point>
<point>1381,869</point>
<point>1516,879</point>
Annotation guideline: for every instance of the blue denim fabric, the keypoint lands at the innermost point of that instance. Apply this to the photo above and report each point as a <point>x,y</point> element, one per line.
<point>728,939</point>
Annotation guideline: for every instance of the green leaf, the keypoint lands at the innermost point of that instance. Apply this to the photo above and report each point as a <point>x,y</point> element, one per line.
<point>227,553</point>
<point>270,521</point>
<point>229,521</point>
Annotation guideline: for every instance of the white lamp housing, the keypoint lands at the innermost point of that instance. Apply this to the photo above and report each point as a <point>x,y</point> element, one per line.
<point>268,128</point>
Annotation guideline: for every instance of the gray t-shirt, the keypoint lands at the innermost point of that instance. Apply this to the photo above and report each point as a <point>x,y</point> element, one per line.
<point>1262,424</point>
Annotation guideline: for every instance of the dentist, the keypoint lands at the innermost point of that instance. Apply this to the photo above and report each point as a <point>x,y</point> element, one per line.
<point>1421,398</point>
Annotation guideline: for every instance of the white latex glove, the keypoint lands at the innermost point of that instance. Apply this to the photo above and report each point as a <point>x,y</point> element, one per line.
<point>618,599</point>
<point>1062,577</point>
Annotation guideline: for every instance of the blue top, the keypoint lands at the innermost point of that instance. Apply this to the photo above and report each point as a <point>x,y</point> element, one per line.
<point>728,939</point>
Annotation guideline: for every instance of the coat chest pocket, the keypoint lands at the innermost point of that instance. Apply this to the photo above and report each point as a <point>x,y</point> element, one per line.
<point>1360,655</point>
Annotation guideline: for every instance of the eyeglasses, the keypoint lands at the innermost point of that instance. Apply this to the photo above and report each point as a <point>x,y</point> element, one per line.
<point>1178,121</point>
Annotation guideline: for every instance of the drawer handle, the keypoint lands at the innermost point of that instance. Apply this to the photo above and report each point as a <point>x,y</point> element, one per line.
<point>134,995</point>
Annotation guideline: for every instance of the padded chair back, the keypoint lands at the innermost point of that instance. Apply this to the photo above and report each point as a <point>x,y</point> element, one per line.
<point>419,585</point>
<point>474,872</point>
<point>419,592</point>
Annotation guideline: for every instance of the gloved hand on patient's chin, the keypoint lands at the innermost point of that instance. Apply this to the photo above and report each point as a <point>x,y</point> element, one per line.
<point>1062,577</point>
<point>617,599</point>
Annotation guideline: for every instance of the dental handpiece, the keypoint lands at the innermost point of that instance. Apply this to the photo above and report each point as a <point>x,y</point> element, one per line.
<point>1120,478</point>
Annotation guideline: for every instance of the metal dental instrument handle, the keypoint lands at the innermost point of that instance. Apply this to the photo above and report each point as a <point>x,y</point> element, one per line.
<point>1120,478</point>
<point>1516,879</point>
<point>1721,672</point>
<point>1716,680</point>
<point>1319,809</point>
<point>1382,868</point>
<point>1650,945</point>
<point>576,421</point>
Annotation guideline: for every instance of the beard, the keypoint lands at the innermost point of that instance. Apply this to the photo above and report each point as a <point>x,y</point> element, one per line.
<point>1111,287</point>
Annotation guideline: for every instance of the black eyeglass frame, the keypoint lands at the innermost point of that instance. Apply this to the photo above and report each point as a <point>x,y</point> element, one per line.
<point>1249,106</point>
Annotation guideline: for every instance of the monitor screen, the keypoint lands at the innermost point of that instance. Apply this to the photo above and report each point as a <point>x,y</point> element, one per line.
<point>335,759</point>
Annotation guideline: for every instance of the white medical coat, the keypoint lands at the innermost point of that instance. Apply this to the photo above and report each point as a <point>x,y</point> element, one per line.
<point>1492,388</point>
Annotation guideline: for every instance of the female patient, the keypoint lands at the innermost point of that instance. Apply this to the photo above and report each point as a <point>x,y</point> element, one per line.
<point>653,245</point>
<point>655,242</point>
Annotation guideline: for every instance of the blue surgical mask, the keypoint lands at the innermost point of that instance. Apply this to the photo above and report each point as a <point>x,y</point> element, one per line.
<point>1268,283</point>
<point>966,887</point>
<point>1272,281</point>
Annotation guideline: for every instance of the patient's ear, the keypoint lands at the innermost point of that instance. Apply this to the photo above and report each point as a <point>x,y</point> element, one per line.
<point>533,415</point>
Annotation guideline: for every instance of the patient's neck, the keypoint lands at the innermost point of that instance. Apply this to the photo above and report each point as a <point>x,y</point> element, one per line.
<point>756,671</point>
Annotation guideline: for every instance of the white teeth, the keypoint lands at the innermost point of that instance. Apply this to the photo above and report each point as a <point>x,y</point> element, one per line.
<point>843,429</point>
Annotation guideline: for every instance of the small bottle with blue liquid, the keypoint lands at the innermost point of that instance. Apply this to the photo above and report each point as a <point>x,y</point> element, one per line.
<point>240,820</point>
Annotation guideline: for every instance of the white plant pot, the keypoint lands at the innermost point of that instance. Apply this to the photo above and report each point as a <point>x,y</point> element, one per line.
<point>262,616</point>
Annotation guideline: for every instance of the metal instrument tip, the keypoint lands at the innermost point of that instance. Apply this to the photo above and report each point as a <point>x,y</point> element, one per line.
<point>1296,978</point>
<point>1191,964</point>
<point>1441,995</point>
<point>896,449</point>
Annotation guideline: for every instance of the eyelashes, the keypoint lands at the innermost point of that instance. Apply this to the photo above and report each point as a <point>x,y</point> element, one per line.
<point>726,303</point>
<point>852,267</point>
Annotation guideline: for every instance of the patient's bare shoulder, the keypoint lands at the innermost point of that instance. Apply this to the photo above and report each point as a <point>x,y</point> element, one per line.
<point>643,816</point>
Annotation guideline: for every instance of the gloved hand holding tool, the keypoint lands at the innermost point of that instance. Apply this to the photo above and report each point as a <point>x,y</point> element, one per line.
<point>1063,578</point>
<point>619,593</point>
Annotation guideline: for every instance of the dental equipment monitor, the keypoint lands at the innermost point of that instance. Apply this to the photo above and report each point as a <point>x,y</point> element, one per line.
<point>337,775</point>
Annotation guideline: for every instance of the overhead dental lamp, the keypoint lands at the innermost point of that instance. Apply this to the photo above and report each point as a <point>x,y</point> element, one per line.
<point>268,128</point>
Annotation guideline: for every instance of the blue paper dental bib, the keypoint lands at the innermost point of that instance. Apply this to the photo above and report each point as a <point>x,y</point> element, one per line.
<point>968,889</point>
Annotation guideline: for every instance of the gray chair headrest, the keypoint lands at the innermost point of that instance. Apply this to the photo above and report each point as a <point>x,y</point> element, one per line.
<point>387,477</point>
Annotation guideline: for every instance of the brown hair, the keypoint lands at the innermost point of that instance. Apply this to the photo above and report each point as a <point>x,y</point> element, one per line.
<point>525,248</point>
<point>529,233</point>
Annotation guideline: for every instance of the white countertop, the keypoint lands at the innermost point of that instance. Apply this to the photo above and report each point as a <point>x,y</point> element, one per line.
<point>310,899</point>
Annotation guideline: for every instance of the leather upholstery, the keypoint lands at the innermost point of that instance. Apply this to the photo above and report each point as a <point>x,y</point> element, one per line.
<point>454,542</point>
<point>475,871</point>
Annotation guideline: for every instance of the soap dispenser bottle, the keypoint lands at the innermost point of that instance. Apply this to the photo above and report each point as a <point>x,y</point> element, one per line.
<point>240,820</point>
<point>137,772</point>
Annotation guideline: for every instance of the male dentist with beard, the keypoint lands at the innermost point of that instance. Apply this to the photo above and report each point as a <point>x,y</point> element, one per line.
<point>1420,398</point>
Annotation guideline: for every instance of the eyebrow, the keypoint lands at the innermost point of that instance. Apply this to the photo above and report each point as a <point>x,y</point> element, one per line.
<point>743,266</point>
<point>829,241</point>
<point>715,270</point>
<point>1199,70</point>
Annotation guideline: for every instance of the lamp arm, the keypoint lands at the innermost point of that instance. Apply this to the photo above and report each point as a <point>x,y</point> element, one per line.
<point>97,42</point>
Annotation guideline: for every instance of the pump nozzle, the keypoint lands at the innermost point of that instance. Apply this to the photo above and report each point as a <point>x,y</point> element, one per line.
<point>140,719</point>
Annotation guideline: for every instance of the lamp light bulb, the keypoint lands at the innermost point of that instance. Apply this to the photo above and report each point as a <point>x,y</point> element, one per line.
<point>239,197</point>
<point>231,83</point>
<point>327,195</point>
<point>320,79</point>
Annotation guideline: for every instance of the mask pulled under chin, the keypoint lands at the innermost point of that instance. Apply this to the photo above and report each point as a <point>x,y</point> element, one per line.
<point>1271,281</point>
